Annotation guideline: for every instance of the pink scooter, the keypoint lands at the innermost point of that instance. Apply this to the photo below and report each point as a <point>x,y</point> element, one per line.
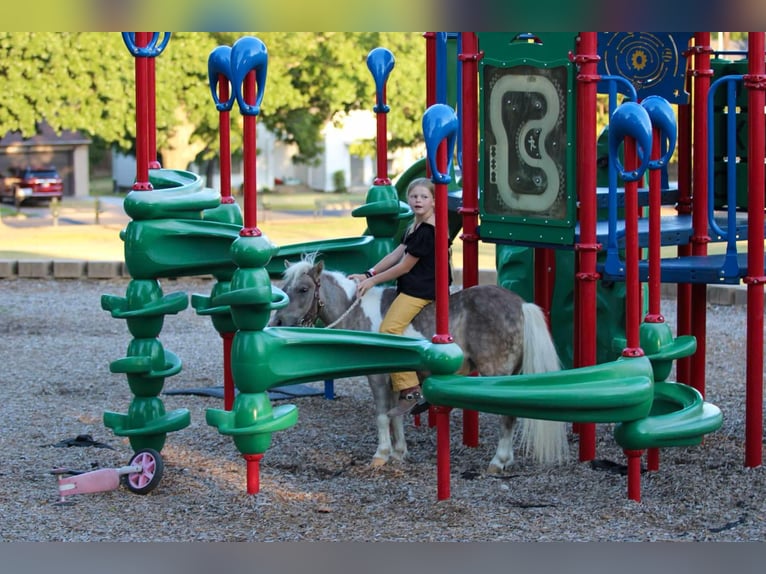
<point>141,476</point>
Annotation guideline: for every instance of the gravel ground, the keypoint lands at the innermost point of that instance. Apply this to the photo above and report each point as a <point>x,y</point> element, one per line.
<point>316,482</point>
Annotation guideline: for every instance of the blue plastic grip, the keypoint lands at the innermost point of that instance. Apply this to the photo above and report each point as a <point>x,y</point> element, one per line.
<point>664,120</point>
<point>630,120</point>
<point>151,50</point>
<point>219,64</point>
<point>440,122</point>
<point>247,54</point>
<point>380,62</point>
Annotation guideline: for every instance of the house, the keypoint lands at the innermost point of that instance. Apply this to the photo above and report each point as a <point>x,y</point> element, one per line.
<point>67,151</point>
<point>274,160</point>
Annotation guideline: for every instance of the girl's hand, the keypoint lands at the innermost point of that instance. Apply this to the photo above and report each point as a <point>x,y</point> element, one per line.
<point>357,277</point>
<point>365,285</point>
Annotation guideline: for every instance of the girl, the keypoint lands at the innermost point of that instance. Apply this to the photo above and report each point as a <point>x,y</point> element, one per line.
<point>412,264</point>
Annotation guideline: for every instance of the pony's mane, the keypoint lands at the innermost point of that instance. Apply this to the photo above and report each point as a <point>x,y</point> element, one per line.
<point>297,269</point>
<point>308,260</point>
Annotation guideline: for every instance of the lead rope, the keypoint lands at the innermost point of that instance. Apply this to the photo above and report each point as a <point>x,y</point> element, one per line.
<point>345,313</point>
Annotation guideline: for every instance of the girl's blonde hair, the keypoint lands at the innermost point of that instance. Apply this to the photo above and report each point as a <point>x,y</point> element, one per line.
<point>422,182</point>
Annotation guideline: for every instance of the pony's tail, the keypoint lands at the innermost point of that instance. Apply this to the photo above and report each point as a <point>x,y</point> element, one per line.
<point>545,441</point>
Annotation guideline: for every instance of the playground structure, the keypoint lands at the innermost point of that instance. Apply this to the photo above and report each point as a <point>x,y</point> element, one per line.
<point>182,228</point>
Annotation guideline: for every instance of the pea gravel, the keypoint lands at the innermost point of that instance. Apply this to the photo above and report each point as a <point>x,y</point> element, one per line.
<point>316,482</point>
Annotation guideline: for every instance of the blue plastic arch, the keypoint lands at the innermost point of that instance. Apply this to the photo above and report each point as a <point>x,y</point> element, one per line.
<point>664,120</point>
<point>630,120</point>
<point>219,64</point>
<point>380,62</point>
<point>247,54</point>
<point>440,122</point>
<point>151,50</point>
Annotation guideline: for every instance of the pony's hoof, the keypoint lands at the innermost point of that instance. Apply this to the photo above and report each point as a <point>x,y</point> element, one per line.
<point>377,462</point>
<point>496,470</point>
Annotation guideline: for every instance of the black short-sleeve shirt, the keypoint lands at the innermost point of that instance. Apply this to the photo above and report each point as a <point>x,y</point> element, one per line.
<point>420,281</point>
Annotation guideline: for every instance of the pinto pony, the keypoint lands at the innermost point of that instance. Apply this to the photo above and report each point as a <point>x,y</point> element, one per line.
<point>499,333</point>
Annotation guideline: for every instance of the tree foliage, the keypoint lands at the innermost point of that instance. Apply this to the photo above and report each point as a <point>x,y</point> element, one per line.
<point>86,82</point>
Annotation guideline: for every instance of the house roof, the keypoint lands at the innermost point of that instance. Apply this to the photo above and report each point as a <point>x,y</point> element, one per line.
<point>45,135</point>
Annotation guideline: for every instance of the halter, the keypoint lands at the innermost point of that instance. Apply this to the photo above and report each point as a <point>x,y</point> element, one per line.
<point>316,308</point>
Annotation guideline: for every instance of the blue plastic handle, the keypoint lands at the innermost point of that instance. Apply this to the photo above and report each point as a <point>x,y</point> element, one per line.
<point>380,62</point>
<point>440,122</point>
<point>630,120</point>
<point>664,120</point>
<point>248,54</point>
<point>151,50</point>
<point>219,64</point>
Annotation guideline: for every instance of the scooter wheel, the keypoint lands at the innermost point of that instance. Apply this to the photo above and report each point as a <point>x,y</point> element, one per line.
<point>149,477</point>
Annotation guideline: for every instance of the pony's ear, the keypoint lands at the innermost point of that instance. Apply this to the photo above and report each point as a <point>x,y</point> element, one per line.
<point>319,267</point>
<point>287,264</point>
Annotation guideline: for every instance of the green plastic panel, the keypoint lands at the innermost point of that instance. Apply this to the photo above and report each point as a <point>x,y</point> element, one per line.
<point>527,130</point>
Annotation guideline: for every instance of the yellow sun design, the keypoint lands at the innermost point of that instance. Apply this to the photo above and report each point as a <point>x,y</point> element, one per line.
<point>639,59</point>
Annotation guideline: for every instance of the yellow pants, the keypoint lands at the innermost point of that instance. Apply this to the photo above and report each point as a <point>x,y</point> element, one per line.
<point>401,313</point>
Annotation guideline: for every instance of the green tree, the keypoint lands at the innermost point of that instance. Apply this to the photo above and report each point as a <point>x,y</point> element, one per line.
<point>86,82</point>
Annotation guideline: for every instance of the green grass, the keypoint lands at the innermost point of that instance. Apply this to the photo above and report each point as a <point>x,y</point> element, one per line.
<point>101,186</point>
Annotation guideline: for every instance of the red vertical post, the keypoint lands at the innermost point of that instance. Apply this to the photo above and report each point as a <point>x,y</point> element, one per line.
<point>544,273</point>
<point>430,76</point>
<point>587,249</point>
<point>632,252</point>
<point>430,68</point>
<point>228,378</point>
<point>442,252</point>
<point>151,80</point>
<point>634,474</point>
<point>224,139</point>
<point>142,115</point>
<point>632,302</point>
<point>469,58</point>
<point>654,258</point>
<point>442,453</point>
<point>249,143</point>
<point>755,81</point>
<point>469,70</point>
<point>684,207</point>
<point>439,131</point>
<point>382,144</point>
<point>253,472</point>
<point>700,237</point>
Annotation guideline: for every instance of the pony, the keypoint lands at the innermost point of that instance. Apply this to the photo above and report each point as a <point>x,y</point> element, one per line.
<point>499,333</point>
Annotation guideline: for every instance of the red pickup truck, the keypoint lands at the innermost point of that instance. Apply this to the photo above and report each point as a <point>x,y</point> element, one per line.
<point>35,183</point>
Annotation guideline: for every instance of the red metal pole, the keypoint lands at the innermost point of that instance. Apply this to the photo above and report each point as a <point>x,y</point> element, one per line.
<point>430,68</point>
<point>588,247</point>
<point>684,207</point>
<point>442,453</point>
<point>253,472</point>
<point>430,76</point>
<point>382,145</point>
<point>655,205</point>
<point>470,128</point>
<point>142,116</point>
<point>545,272</point>
<point>700,237</point>
<point>442,252</point>
<point>632,280</point>
<point>152,113</point>
<point>250,208</point>
<point>755,82</point>
<point>224,138</point>
<point>469,70</point>
<point>634,474</point>
<point>228,378</point>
